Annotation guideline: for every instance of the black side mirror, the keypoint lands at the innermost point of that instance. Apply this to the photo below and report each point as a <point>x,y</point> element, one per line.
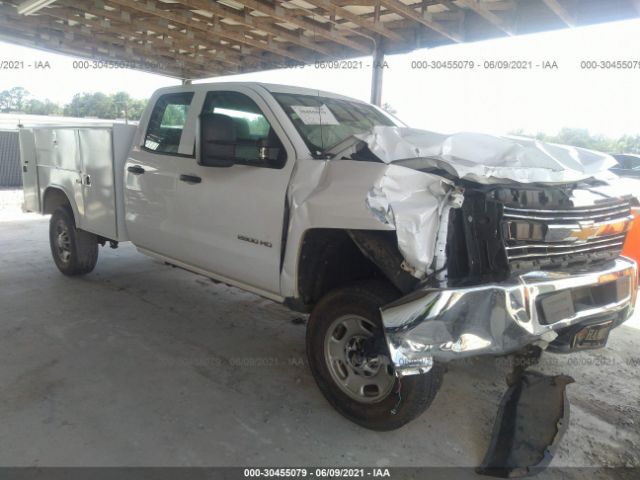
<point>217,140</point>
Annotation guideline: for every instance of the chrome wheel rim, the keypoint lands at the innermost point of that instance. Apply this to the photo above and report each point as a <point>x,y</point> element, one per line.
<point>63,242</point>
<point>362,376</point>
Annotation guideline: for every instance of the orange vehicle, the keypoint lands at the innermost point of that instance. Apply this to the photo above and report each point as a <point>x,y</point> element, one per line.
<point>632,244</point>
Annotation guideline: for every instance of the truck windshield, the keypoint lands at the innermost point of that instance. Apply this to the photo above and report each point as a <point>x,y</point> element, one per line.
<point>324,122</point>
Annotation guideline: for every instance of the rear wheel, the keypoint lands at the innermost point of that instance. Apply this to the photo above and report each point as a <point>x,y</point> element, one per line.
<point>351,365</point>
<point>75,252</point>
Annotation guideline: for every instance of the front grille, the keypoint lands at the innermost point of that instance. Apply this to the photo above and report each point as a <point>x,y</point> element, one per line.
<point>567,235</point>
<point>541,250</point>
<point>595,214</point>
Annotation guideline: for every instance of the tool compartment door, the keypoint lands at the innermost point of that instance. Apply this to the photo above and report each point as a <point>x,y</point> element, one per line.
<point>29,171</point>
<point>58,164</point>
<point>98,189</point>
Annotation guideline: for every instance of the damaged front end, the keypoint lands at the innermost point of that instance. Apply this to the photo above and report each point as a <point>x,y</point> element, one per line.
<point>514,242</point>
<point>515,247</point>
<point>523,266</point>
<point>517,269</point>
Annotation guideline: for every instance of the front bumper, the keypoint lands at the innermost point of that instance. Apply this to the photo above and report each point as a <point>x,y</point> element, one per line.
<point>500,318</point>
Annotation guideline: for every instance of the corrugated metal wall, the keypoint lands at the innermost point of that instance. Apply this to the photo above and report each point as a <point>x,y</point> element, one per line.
<point>10,175</point>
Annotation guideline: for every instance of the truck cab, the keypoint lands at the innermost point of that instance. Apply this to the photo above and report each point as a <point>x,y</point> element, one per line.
<point>173,198</point>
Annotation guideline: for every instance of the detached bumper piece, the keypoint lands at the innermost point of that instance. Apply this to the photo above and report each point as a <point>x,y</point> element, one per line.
<point>533,417</point>
<point>501,318</point>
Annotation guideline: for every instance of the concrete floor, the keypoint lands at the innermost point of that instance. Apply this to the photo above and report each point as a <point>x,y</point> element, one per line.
<point>139,363</point>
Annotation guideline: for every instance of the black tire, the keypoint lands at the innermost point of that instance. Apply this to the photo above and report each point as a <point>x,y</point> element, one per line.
<point>74,251</point>
<point>408,397</point>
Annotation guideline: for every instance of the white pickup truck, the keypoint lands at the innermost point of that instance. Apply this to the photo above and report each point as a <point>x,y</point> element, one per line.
<point>408,248</point>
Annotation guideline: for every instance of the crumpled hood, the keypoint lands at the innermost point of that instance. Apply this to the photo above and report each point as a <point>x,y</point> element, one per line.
<point>487,158</point>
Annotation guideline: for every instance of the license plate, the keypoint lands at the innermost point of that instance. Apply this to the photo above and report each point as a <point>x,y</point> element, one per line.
<point>593,336</point>
<point>557,306</point>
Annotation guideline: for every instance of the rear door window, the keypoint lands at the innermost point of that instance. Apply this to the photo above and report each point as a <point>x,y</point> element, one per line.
<point>167,123</point>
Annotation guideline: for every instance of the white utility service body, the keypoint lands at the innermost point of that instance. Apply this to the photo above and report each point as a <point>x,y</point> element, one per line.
<point>85,162</point>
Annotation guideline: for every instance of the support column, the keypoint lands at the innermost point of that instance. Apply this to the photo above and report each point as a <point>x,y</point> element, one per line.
<point>376,75</point>
<point>378,60</point>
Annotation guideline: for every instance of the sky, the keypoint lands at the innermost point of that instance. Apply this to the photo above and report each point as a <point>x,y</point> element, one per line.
<point>479,99</point>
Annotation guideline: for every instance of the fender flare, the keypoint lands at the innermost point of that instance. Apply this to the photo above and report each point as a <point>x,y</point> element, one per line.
<point>56,187</point>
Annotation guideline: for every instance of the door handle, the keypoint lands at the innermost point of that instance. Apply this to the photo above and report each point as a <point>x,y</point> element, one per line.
<point>190,178</point>
<point>136,169</point>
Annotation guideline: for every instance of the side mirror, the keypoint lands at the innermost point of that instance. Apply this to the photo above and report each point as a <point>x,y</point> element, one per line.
<point>217,139</point>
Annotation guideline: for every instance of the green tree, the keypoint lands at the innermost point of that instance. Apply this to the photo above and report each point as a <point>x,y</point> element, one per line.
<point>13,100</point>
<point>121,104</point>
<point>100,105</point>
<point>127,107</point>
<point>136,108</point>
<point>97,104</point>
<point>628,144</point>
<point>42,107</point>
<point>580,137</point>
<point>174,115</point>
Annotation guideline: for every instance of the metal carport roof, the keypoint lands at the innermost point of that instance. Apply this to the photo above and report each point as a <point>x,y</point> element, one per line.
<point>191,39</point>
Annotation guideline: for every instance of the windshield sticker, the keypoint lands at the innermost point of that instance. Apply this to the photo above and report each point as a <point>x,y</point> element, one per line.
<point>315,115</point>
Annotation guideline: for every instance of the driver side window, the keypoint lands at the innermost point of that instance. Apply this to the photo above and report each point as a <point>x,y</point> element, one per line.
<point>252,129</point>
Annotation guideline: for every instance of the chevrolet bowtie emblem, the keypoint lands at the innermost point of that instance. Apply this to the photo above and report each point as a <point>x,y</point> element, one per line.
<point>590,231</point>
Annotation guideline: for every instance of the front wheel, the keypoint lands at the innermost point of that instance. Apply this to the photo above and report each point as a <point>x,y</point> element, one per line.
<point>75,252</point>
<point>351,365</point>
